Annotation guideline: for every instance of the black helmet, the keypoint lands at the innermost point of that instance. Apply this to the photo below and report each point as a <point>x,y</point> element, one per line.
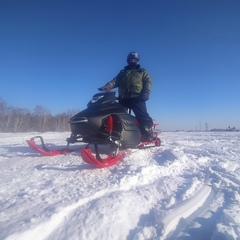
<point>133,55</point>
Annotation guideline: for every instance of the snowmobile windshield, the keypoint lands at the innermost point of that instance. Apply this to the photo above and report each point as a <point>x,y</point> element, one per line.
<point>102,98</point>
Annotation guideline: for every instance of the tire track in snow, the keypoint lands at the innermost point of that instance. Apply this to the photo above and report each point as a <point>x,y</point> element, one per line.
<point>172,221</point>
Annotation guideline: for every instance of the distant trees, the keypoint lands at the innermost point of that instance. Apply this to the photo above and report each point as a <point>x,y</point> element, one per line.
<point>13,119</point>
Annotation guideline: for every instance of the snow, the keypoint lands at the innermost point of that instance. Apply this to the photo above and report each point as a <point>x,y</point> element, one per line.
<point>186,189</point>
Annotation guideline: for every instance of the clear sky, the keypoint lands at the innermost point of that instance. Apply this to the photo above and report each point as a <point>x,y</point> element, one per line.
<point>57,53</point>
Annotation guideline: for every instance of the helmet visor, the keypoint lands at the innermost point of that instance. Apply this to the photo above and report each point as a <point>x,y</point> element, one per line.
<point>132,61</point>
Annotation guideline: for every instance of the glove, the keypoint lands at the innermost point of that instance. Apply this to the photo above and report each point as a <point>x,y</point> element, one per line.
<point>106,87</point>
<point>144,96</point>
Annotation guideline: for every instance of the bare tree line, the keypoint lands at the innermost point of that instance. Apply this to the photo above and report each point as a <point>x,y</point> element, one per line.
<point>13,119</point>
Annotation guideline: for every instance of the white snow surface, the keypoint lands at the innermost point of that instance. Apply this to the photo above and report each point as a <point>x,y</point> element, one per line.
<point>186,189</point>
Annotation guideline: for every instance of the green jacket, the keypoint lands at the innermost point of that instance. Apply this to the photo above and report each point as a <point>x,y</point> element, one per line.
<point>131,82</point>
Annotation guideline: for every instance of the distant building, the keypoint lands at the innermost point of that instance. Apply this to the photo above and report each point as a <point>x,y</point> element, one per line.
<point>229,129</point>
<point>233,129</point>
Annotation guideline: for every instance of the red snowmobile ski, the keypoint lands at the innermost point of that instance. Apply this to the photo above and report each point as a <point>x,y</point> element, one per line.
<point>43,149</point>
<point>103,122</point>
<point>110,160</point>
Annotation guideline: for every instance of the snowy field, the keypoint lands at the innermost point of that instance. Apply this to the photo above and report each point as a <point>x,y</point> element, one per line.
<point>187,189</point>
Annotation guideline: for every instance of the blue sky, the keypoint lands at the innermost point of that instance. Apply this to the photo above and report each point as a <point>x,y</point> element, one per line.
<point>57,53</point>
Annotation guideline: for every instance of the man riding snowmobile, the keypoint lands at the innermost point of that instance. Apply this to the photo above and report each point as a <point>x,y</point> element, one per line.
<point>106,121</point>
<point>134,86</point>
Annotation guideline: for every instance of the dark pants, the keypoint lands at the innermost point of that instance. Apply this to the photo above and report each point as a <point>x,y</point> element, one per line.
<point>140,110</point>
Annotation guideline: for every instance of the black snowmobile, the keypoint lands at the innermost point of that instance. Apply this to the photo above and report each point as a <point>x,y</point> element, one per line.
<point>103,122</point>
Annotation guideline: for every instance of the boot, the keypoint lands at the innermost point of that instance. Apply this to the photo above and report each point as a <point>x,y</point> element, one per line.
<point>147,134</point>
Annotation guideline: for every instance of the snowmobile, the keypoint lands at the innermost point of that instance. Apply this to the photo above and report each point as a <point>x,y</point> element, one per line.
<point>103,122</point>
